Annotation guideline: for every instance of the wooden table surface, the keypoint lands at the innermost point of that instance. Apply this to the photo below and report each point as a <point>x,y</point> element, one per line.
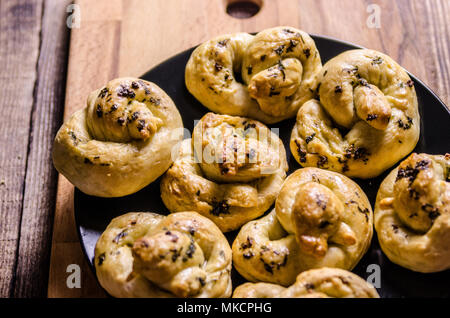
<point>43,81</point>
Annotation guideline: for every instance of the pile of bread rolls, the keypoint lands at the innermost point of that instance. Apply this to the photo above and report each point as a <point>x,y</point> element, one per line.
<point>356,117</point>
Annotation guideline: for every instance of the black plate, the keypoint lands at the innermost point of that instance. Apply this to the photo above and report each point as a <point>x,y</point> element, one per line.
<point>93,214</point>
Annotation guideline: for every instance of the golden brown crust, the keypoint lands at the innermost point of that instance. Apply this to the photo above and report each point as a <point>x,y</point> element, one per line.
<point>278,66</point>
<point>366,118</point>
<point>150,255</point>
<point>121,141</point>
<point>321,219</point>
<point>258,290</point>
<point>314,283</point>
<point>412,213</point>
<point>238,188</point>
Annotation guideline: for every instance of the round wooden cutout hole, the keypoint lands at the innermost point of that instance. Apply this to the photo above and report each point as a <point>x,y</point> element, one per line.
<point>243,9</point>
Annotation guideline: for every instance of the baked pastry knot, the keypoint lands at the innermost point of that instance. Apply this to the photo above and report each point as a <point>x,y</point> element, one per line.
<point>278,68</point>
<point>121,141</point>
<point>314,283</point>
<point>230,171</point>
<point>321,219</point>
<point>412,213</point>
<point>151,255</point>
<point>366,118</point>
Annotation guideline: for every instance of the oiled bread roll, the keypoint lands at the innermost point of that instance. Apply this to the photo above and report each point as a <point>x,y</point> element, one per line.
<point>321,219</point>
<point>278,67</point>
<point>412,213</point>
<point>121,141</point>
<point>366,120</point>
<point>151,255</point>
<point>230,171</point>
<point>315,283</point>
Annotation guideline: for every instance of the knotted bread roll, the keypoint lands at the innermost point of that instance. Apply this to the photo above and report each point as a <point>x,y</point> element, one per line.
<point>121,141</point>
<point>321,219</point>
<point>231,171</point>
<point>315,283</point>
<point>278,67</point>
<point>412,213</point>
<point>366,120</point>
<point>151,255</point>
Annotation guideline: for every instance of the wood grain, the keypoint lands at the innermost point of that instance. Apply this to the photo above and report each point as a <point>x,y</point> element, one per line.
<point>437,15</point>
<point>33,257</point>
<point>20,24</point>
<point>128,37</point>
<point>99,38</point>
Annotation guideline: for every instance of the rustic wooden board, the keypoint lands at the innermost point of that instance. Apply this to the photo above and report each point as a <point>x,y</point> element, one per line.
<point>128,37</point>
<point>33,251</point>
<point>20,24</point>
<point>33,57</point>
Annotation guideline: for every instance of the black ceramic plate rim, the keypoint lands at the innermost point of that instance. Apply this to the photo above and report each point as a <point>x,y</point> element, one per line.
<point>81,231</point>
